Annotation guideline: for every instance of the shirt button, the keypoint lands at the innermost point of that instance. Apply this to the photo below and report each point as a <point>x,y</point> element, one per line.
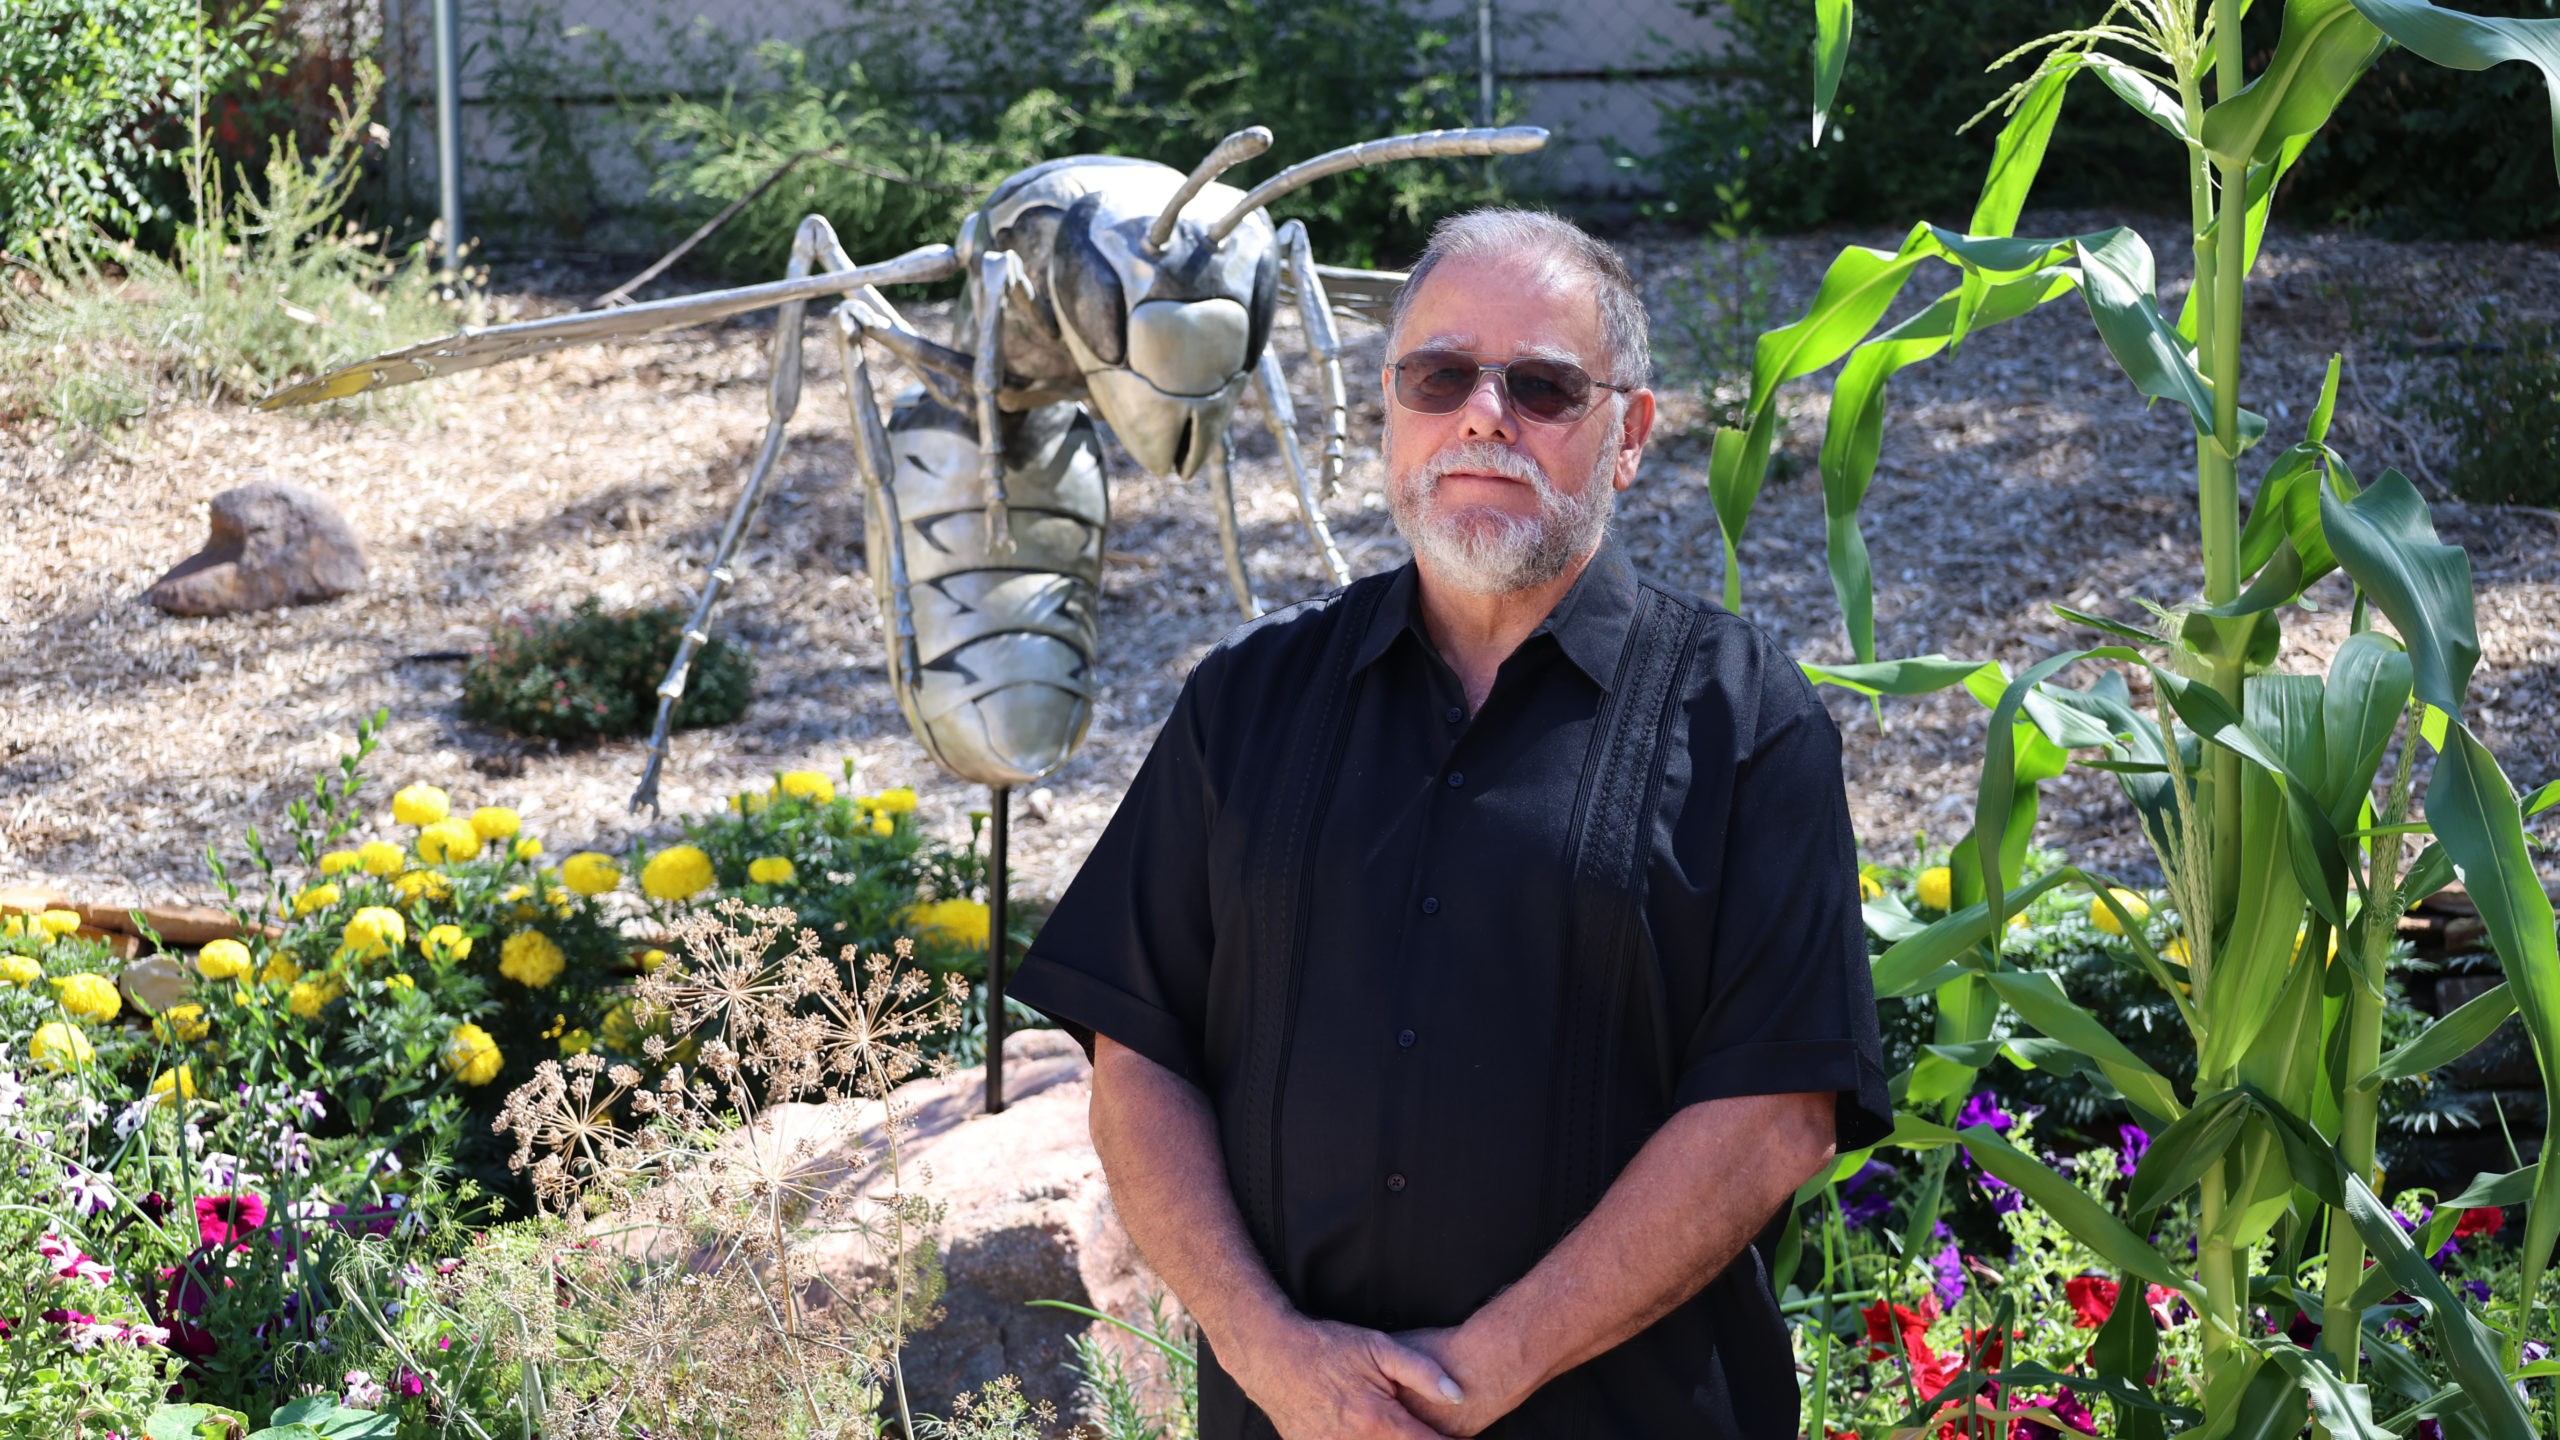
<point>1395,1182</point>
<point>1456,714</point>
<point>1430,904</point>
<point>1404,1038</point>
<point>1457,778</point>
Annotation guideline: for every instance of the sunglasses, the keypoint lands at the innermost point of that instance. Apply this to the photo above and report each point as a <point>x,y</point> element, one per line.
<point>1551,392</point>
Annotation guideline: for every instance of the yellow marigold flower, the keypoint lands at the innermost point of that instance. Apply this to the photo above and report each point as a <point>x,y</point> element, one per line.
<point>1870,888</point>
<point>222,960</point>
<point>20,970</point>
<point>91,997</point>
<point>306,997</point>
<point>881,824</point>
<point>590,873</point>
<point>448,842</point>
<point>2303,934</point>
<point>420,805</point>
<point>954,922</point>
<point>577,1042</point>
<point>417,885</point>
<point>900,801</point>
<point>471,1056</point>
<point>678,873</point>
<point>399,982</point>
<point>318,897</point>
<point>806,785</point>
<point>531,958</point>
<point>381,857</point>
<point>2105,919</point>
<point>59,1045</point>
<point>496,822</point>
<point>750,803</point>
<point>339,862</point>
<point>650,960</point>
<point>59,922</point>
<point>444,942</point>
<point>181,1080</point>
<point>181,1024</point>
<point>771,870</point>
<point>1937,888</point>
<point>376,930</point>
<point>525,848</point>
<point>279,971</point>
<point>2177,953</point>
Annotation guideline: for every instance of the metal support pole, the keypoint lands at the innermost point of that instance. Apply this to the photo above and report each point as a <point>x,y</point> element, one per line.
<point>999,829</point>
<point>449,129</point>
<point>1484,62</point>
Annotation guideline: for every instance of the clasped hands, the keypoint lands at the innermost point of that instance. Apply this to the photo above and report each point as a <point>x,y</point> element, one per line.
<point>1324,1380</point>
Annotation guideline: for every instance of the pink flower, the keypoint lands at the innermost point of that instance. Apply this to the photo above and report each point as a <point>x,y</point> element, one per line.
<point>412,1383</point>
<point>222,1219</point>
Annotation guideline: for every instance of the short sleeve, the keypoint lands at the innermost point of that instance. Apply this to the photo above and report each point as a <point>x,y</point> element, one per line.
<point>1791,1007</point>
<point>1126,952</point>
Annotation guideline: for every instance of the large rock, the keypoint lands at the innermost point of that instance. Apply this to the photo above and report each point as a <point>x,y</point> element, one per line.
<point>272,544</point>
<point>1029,1218</point>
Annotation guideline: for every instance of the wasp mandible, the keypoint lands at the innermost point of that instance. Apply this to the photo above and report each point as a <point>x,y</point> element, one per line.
<point>1092,285</point>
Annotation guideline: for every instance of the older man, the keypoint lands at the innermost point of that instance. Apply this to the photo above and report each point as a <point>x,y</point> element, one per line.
<point>1474,967</point>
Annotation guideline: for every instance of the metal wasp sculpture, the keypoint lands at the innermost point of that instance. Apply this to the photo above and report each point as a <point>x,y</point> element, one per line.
<point>1093,286</point>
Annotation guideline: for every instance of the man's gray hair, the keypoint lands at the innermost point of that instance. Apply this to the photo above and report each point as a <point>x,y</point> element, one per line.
<point>1500,230</point>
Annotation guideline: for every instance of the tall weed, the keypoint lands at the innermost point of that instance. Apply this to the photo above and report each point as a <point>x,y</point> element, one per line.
<point>273,281</point>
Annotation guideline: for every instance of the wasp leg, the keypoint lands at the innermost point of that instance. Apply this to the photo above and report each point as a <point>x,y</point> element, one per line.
<point>1324,343</point>
<point>1273,387</point>
<point>1220,468</point>
<point>877,466</point>
<point>782,397</point>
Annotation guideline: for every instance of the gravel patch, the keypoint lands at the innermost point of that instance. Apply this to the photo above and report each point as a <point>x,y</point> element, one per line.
<point>2018,473</point>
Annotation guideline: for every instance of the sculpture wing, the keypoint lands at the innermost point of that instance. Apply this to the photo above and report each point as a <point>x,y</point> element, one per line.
<point>496,344</point>
<point>1356,294</point>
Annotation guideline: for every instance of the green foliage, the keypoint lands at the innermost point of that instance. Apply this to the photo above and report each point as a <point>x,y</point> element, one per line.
<point>1892,153</point>
<point>2501,398</point>
<point>857,152</point>
<point>83,83</point>
<point>596,674</point>
<point>276,282</point>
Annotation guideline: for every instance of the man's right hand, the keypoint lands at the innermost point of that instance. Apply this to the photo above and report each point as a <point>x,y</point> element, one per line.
<point>1320,1380</point>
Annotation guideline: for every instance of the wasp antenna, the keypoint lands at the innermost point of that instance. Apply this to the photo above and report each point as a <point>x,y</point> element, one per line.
<point>1429,144</point>
<point>1234,150</point>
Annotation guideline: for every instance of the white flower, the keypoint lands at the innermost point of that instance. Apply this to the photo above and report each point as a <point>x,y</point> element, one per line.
<point>412,1275</point>
<point>145,1335</point>
<point>87,1191</point>
<point>387,1160</point>
<point>312,1109</point>
<point>363,1391</point>
<point>394,1309</point>
<point>221,1172</point>
<point>130,1119</point>
<point>91,1110</point>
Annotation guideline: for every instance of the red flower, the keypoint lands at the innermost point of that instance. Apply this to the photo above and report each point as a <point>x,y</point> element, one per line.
<point>221,1219</point>
<point>2485,1220</point>
<point>1898,1326</point>
<point>2093,1299</point>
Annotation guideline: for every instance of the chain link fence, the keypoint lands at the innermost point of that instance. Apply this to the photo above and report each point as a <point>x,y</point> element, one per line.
<point>1594,72</point>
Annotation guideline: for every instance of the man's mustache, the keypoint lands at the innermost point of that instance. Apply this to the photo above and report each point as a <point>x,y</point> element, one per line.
<point>1481,457</point>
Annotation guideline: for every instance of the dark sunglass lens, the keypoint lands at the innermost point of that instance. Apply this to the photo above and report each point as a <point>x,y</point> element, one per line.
<point>1435,381</point>
<point>1548,389</point>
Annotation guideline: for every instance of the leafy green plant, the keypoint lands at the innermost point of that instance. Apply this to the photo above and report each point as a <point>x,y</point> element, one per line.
<point>2501,399</point>
<point>1152,1393</point>
<point>267,280</point>
<point>592,674</point>
<point>2281,807</point>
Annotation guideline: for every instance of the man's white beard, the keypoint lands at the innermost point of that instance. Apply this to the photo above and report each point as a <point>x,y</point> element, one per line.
<point>1488,551</point>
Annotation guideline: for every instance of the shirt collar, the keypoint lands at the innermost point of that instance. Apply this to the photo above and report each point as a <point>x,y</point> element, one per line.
<point>1589,624</point>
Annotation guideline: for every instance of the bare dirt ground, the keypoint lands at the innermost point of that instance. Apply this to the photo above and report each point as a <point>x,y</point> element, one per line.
<point>2020,472</point>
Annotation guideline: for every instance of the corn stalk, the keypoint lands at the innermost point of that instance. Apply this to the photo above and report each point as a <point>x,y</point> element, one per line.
<point>2262,793</point>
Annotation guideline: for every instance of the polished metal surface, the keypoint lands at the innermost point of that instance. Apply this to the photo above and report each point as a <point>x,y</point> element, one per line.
<point>1094,287</point>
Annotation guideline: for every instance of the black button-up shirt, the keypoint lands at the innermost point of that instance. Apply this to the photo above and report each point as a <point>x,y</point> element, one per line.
<point>1415,1111</point>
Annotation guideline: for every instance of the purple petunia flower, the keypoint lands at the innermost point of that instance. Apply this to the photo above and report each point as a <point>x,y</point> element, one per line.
<point>1984,1109</point>
<point>1864,1201</point>
<point>2479,1289</point>
<point>2131,1142</point>
<point>1950,1282</point>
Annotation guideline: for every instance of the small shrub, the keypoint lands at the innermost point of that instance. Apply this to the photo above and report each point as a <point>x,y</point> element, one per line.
<point>2501,398</point>
<point>597,674</point>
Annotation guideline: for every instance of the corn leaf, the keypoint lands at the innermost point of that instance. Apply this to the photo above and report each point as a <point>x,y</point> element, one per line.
<point>2074,1210</point>
<point>2465,1344</point>
<point>2473,42</point>
<point>2513,1188</point>
<point>2140,91</point>
<point>1832,22</point>
<point>2445,1041</point>
<point>1920,675</point>
<point>2180,1154</point>
<point>2344,1409</point>
<point>2387,542</point>
<point>2040,1001</point>
<point>2325,46</point>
